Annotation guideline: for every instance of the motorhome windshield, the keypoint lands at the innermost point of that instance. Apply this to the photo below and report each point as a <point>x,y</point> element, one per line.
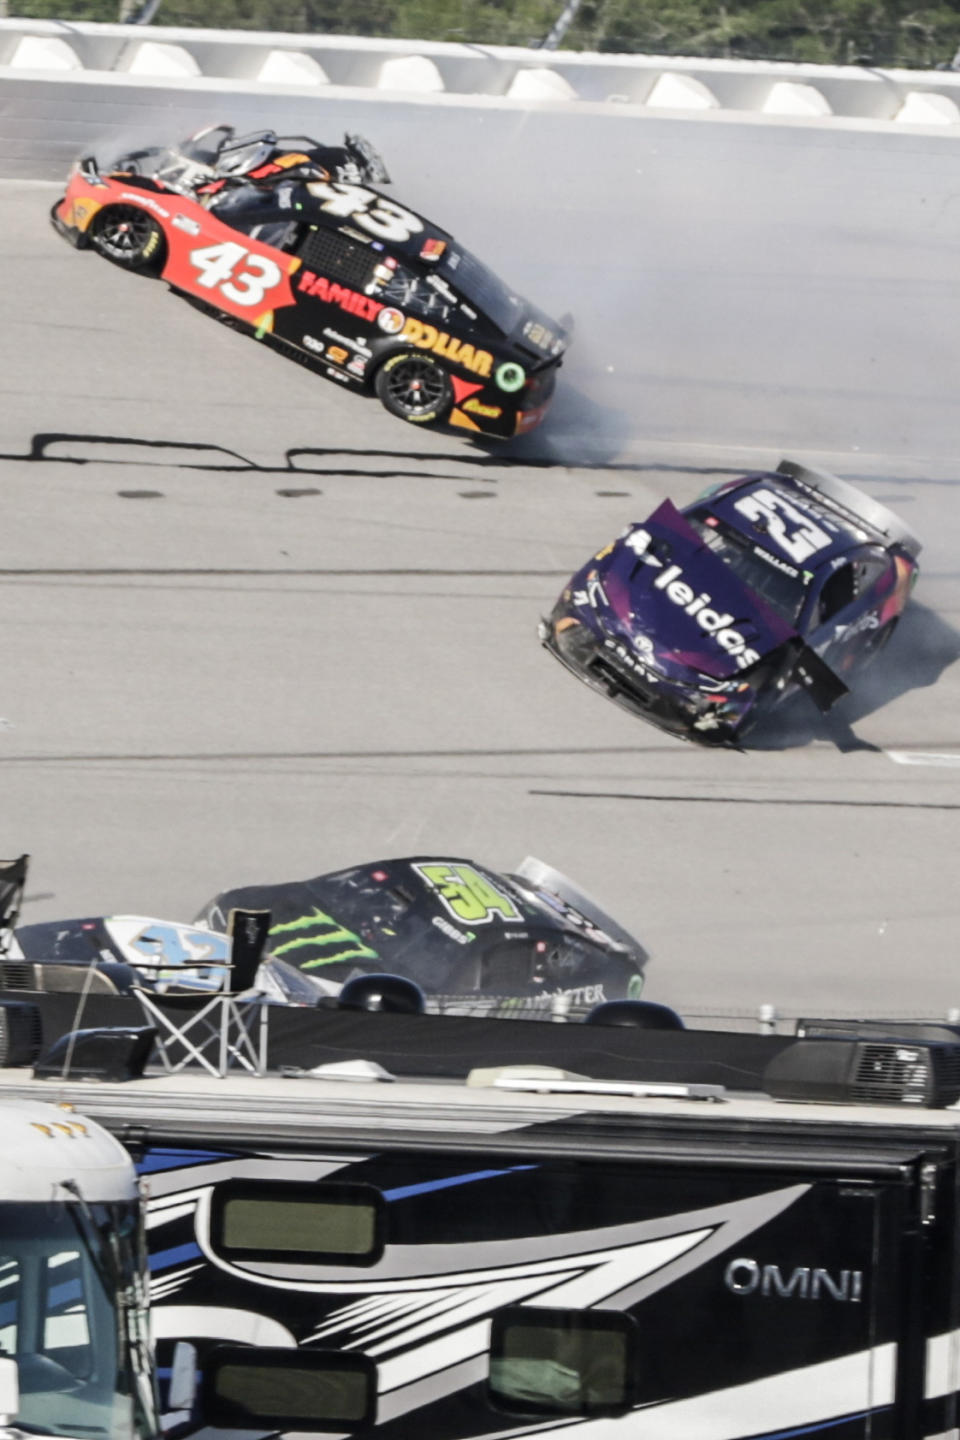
<point>72,1315</point>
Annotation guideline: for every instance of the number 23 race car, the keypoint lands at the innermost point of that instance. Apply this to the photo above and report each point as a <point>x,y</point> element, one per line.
<point>701,620</point>
<point>286,237</point>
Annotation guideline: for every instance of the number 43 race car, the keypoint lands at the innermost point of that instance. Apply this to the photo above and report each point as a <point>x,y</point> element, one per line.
<point>701,620</point>
<point>287,237</point>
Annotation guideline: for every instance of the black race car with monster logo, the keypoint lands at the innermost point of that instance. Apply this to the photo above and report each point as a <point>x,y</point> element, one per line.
<point>701,620</point>
<point>288,237</point>
<point>474,940</point>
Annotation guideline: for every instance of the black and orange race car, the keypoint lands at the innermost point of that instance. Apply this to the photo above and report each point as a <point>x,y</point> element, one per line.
<point>286,236</point>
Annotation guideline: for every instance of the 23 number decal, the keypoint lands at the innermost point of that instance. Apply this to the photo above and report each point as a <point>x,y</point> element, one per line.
<point>374,213</point>
<point>799,542</point>
<point>218,271</point>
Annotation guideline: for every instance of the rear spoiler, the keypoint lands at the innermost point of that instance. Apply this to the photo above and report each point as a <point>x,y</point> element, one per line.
<point>850,504</point>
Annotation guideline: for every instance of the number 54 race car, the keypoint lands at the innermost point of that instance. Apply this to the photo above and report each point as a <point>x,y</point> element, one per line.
<point>287,237</point>
<point>701,620</point>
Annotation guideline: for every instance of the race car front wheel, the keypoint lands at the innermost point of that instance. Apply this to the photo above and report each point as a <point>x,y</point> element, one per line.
<point>414,386</point>
<point>128,236</point>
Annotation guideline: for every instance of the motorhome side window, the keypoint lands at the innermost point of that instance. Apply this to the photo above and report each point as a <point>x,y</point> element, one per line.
<point>335,1224</point>
<point>563,1362</point>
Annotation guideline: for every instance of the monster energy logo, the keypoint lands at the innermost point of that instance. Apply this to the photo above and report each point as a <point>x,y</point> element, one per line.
<point>322,933</point>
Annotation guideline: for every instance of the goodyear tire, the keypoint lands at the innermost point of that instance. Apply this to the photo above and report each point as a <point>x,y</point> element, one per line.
<point>129,237</point>
<point>414,386</point>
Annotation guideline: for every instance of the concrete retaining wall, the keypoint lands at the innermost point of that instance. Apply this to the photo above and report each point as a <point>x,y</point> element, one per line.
<point>65,88</point>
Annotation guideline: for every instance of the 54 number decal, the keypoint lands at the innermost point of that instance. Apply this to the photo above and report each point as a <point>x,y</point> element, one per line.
<point>218,267</point>
<point>466,894</point>
<point>372,212</point>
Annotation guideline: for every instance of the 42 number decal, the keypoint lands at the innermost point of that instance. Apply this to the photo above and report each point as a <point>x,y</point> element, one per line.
<point>247,285</point>
<point>372,212</point>
<point>799,539</point>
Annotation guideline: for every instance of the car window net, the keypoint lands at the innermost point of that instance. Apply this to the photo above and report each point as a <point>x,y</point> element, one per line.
<point>334,255</point>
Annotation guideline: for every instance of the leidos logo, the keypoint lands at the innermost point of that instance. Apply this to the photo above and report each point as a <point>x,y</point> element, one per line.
<point>699,607</point>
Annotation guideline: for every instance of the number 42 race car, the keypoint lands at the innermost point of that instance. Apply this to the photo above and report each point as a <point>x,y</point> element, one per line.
<point>701,620</point>
<point>287,237</point>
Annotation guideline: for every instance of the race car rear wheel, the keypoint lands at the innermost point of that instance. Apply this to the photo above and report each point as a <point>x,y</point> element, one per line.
<point>128,236</point>
<point>415,387</point>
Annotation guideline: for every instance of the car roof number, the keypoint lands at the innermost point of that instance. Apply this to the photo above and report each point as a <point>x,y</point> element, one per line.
<point>372,212</point>
<point>800,538</point>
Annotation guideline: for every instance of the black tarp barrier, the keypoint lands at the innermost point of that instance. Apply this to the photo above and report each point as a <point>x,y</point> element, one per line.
<point>451,1045</point>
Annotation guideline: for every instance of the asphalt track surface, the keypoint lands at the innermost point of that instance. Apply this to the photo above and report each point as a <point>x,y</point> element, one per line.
<point>255,629</point>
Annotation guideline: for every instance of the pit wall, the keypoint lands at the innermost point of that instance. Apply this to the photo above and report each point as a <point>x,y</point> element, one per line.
<point>64,86</point>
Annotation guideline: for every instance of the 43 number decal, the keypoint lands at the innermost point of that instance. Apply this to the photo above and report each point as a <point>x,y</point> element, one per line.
<point>372,212</point>
<point>790,528</point>
<point>218,266</point>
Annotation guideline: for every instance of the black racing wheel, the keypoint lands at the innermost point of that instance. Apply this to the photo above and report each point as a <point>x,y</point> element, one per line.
<point>415,387</point>
<point>128,236</point>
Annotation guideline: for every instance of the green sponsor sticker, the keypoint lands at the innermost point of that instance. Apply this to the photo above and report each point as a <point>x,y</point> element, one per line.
<point>510,376</point>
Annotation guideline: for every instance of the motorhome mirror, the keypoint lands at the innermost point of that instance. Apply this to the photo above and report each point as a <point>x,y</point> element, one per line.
<point>261,1388</point>
<point>9,1389</point>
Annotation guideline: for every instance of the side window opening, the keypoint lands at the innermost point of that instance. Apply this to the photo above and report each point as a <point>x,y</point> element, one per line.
<point>839,591</point>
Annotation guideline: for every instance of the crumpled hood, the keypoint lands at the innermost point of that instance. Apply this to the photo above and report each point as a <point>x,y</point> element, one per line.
<point>679,605</point>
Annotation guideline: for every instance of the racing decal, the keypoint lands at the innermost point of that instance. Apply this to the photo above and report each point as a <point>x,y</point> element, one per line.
<point>466,894</point>
<point>333,294</point>
<point>79,212</point>
<point>318,932</point>
<point>336,354</point>
<point>593,594</point>
<point>171,953</point>
<point>719,626</point>
<point>184,223</point>
<point>463,422</point>
<point>240,276</point>
<point>432,250</point>
<point>492,412</point>
<point>428,337</point>
<point>147,201</point>
<point>463,388</point>
<point>245,286</point>
<point>510,376</point>
<point>317,346</point>
<point>352,342</point>
<point>771,512</point>
<point>775,561</point>
<point>372,212</point>
<point>906,577</point>
<point>390,320</point>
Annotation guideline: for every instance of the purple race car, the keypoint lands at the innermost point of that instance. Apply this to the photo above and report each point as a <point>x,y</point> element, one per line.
<point>701,620</point>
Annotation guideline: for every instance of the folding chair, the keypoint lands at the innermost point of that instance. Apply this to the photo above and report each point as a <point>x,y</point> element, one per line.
<point>13,879</point>
<point>233,1022</point>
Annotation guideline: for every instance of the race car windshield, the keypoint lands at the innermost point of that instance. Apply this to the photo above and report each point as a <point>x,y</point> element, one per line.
<point>481,288</point>
<point>782,591</point>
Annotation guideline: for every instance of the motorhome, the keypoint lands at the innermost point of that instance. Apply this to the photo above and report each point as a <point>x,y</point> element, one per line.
<point>457,1228</point>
